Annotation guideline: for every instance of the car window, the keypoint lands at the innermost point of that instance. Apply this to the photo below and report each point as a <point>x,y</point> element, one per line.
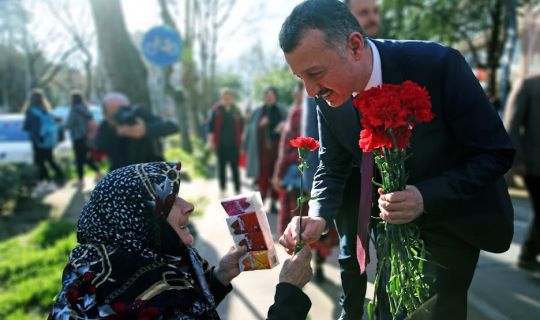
<point>11,130</point>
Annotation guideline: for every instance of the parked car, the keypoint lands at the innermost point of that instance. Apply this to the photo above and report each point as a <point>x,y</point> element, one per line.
<point>15,145</point>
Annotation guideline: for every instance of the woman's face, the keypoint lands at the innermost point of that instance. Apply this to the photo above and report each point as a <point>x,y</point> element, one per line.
<point>179,218</point>
<point>270,97</point>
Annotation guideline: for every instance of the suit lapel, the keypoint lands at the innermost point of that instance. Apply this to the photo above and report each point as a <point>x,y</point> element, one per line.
<point>391,73</point>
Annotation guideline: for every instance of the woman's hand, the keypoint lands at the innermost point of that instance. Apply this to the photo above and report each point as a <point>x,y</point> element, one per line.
<point>228,268</point>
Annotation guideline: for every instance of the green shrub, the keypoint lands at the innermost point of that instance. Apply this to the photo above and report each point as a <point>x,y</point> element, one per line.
<point>31,269</point>
<point>16,182</point>
<point>48,232</point>
<point>196,164</point>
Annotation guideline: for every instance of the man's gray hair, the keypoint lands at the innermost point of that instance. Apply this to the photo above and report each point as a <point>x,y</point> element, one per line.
<point>117,98</point>
<point>331,17</point>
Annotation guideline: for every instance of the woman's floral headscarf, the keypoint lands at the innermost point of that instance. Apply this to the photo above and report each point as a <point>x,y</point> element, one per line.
<point>127,205</point>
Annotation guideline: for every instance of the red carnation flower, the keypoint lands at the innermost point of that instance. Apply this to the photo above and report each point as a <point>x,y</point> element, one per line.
<point>305,142</point>
<point>390,112</point>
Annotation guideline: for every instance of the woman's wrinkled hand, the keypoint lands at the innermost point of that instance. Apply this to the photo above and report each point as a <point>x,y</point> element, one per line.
<point>228,268</point>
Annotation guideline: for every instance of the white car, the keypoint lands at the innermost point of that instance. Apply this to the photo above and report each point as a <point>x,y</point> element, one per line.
<point>15,145</point>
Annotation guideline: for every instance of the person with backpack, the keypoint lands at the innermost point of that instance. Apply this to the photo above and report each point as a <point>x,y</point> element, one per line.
<point>44,132</point>
<point>78,122</point>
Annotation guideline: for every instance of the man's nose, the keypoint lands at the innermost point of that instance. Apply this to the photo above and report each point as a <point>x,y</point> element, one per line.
<point>312,88</point>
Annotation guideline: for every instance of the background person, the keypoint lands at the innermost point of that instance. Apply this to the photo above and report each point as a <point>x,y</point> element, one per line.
<point>130,134</point>
<point>261,144</point>
<point>225,138</point>
<point>43,130</point>
<point>78,122</point>
<point>522,120</point>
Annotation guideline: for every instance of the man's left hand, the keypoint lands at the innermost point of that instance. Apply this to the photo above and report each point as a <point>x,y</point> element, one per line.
<point>136,131</point>
<point>401,206</point>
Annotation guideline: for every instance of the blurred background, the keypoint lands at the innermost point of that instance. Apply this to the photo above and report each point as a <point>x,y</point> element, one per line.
<point>172,57</point>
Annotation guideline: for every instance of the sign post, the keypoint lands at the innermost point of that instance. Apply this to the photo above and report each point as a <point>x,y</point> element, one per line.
<point>162,46</point>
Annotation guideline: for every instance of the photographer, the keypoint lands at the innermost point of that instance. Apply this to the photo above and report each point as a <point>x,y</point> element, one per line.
<point>130,134</point>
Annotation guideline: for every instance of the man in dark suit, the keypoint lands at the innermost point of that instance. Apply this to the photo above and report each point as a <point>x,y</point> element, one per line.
<point>456,192</point>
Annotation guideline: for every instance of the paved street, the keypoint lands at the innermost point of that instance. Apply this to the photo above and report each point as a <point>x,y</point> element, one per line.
<point>500,290</point>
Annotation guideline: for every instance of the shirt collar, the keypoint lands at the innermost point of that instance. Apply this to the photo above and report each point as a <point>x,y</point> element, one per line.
<point>376,73</point>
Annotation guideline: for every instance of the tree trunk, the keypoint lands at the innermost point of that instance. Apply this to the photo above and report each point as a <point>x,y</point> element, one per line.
<point>494,48</point>
<point>177,96</point>
<point>122,61</point>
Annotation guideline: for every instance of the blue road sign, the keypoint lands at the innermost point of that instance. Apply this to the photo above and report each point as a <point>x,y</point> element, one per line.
<point>162,46</point>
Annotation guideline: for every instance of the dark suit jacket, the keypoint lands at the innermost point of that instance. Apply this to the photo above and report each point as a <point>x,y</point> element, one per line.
<point>458,159</point>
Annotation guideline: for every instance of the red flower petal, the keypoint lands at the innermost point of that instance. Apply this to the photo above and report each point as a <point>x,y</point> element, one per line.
<point>305,142</point>
<point>391,109</point>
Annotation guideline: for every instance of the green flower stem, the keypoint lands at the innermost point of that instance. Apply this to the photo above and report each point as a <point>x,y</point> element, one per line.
<point>302,153</point>
<point>400,250</point>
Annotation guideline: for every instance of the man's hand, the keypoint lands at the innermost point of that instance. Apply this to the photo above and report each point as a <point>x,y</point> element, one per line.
<point>401,206</point>
<point>136,131</point>
<point>228,265</point>
<point>297,269</point>
<point>312,228</point>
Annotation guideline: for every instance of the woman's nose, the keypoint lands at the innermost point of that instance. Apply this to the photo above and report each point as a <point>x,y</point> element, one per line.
<point>187,207</point>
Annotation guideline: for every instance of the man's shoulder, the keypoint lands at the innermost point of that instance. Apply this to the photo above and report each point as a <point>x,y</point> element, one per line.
<point>422,51</point>
<point>411,45</point>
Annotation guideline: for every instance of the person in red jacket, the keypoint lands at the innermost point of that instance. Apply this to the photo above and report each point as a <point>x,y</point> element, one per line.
<point>225,137</point>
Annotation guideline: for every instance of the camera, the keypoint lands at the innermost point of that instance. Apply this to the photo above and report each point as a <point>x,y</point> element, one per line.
<point>126,116</point>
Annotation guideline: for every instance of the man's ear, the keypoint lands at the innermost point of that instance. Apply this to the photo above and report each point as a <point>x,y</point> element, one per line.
<point>356,44</point>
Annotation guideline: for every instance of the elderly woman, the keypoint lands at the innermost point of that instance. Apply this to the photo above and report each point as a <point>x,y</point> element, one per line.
<point>135,258</point>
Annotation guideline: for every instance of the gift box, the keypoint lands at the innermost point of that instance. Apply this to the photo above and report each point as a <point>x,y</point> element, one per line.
<point>244,223</point>
<point>248,225</point>
<point>257,260</point>
<point>243,203</point>
<point>254,241</point>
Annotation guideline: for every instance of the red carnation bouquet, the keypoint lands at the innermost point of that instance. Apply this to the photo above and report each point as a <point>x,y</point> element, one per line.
<point>389,114</point>
<point>304,145</point>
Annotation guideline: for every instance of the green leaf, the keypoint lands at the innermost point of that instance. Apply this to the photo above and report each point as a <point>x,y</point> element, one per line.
<point>370,309</point>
